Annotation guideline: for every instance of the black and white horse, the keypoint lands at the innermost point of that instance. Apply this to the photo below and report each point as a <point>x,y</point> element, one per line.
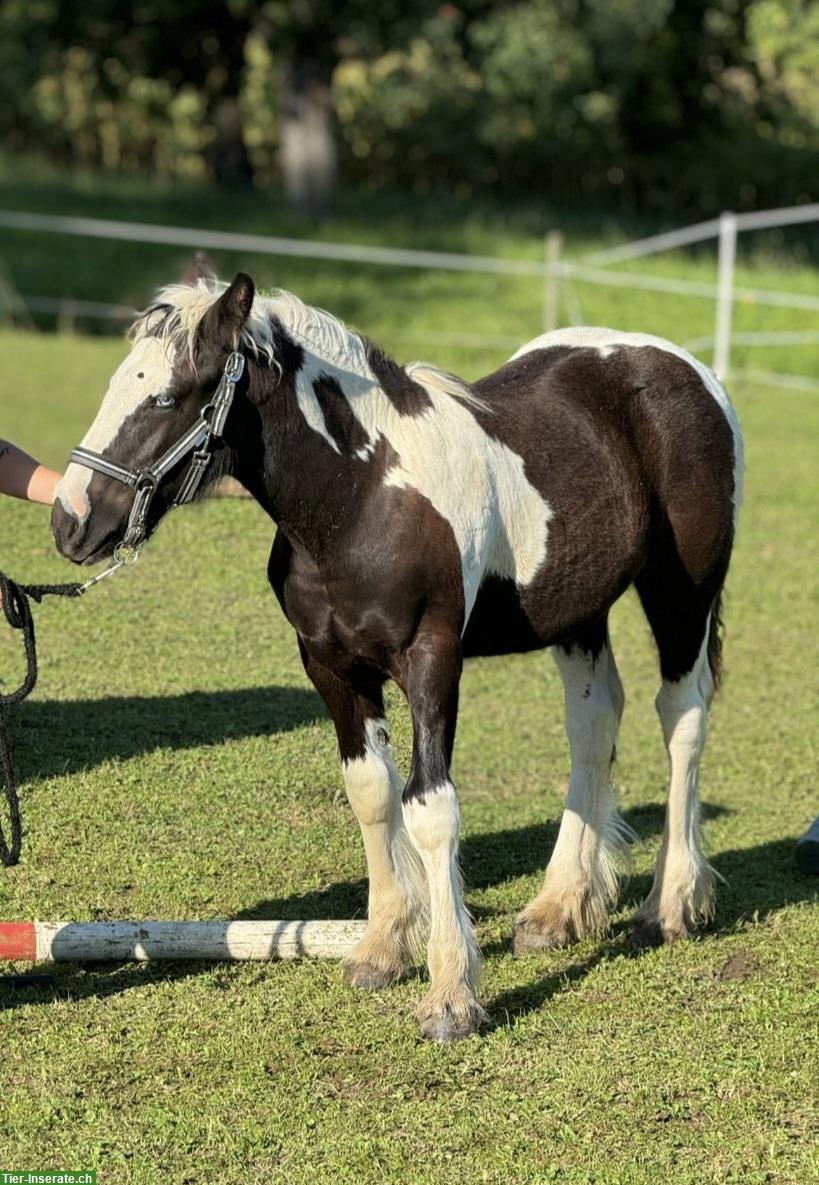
<point>421,521</point>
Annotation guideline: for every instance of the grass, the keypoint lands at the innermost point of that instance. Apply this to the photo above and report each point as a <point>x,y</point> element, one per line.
<point>176,763</point>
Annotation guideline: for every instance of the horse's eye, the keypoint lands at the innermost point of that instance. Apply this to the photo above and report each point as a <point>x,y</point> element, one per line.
<point>164,401</point>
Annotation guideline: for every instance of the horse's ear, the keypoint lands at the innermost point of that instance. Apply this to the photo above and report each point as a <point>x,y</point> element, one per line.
<point>221,327</point>
<point>200,268</point>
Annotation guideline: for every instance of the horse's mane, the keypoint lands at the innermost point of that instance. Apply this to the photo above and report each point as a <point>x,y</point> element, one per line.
<point>177,310</point>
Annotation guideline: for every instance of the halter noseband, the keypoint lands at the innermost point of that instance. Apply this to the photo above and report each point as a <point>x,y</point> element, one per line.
<point>199,440</point>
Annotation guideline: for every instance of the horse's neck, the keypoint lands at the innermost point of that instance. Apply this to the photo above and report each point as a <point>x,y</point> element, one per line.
<point>324,343</point>
<point>301,478</point>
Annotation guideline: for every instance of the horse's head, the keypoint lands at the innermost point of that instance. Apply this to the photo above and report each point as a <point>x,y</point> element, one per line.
<point>179,352</point>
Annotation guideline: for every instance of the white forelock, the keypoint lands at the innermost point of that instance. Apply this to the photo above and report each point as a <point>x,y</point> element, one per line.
<point>177,310</point>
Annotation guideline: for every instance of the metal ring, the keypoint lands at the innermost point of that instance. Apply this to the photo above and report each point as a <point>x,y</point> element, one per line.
<point>127,553</point>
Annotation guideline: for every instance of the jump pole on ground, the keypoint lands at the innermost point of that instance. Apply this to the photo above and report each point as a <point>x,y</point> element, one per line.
<point>87,942</point>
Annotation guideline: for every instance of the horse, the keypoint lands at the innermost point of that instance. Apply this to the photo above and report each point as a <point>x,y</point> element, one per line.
<point>421,520</point>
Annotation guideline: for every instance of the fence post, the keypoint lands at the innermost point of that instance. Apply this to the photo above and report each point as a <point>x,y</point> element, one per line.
<point>725,293</point>
<point>551,281</point>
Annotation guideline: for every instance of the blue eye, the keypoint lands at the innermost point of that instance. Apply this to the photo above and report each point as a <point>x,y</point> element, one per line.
<point>164,401</point>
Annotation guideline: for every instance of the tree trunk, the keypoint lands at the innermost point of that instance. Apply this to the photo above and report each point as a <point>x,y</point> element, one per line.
<point>309,156</point>
<point>229,161</point>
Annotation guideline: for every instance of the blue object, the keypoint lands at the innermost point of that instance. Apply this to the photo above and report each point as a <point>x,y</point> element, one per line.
<point>807,850</point>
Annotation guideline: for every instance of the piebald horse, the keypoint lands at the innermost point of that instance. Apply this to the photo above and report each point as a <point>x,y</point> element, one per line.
<point>421,520</point>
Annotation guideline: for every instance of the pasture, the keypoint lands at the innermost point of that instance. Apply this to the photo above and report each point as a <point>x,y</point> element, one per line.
<point>176,763</point>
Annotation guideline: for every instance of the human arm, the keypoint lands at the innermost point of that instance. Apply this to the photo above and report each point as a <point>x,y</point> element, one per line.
<point>23,477</point>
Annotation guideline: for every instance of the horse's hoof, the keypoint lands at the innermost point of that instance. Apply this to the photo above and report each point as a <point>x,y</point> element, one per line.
<point>444,1026</point>
<point>651,932</point>
<point>531,936</point>
<point>369,977</point>
<point>450,1015</point>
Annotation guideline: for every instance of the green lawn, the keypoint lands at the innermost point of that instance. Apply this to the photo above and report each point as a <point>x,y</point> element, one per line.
<point>176,764</point>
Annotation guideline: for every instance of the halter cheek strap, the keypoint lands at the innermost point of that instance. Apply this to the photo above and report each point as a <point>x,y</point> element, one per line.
<point>199,441</point>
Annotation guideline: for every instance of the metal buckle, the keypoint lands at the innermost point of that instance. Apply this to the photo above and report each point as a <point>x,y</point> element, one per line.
<point>193,477</point>
<point>234,367</point>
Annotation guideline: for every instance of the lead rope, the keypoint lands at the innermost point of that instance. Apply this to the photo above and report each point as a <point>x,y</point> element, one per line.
<point>17,608</point>
<point>15,597</point>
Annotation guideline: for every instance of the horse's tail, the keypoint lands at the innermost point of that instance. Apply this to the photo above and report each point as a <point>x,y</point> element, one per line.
<point>715,640</point>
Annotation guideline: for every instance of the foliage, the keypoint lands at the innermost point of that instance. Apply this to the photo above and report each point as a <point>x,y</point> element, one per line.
<point>653,103</point>
<point>785,41</point>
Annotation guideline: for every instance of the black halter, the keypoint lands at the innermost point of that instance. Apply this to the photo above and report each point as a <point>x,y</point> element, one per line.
<point>199,440</point>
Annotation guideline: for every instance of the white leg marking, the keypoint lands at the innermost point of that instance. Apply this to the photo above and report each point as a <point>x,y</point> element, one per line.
<point>397,908</point>
<point>682,895</point>
<point>450,1008</point>
<point>582,879</point>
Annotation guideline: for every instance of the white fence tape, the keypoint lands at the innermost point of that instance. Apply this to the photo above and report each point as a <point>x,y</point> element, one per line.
<point>788,337</point>
<point>700,232</point>
<point>217,240</point>
<point>701,288</point>
<point>589,270</point>
<point>70,307</point>
<point>768,378</point>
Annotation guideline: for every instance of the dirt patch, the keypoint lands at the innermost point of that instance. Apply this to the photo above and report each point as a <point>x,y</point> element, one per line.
<point>738,966</point>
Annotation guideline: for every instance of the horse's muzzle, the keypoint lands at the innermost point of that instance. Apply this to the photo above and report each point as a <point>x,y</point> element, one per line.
<point>74,540</point>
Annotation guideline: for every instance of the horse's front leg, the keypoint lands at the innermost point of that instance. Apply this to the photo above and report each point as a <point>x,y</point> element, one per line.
<point>397,913</point>
<point>431,674</point>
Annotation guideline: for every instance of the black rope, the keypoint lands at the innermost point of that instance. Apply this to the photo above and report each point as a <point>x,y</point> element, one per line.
<point>16,600</point>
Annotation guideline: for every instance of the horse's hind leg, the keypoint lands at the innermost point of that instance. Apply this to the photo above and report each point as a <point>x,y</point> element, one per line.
<point>397,913</point>
<point>682,895</point>
<point>582,880</point>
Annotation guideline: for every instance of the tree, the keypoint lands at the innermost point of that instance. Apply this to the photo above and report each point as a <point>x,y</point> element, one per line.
<point>133,52</point>
<point>312,38</point>
<point>654,103</point>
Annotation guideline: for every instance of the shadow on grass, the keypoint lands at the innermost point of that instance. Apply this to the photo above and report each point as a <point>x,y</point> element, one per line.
<point>55,737</point>
<point>761,881</point>
<point>497,856</point>
<point>488,859</point>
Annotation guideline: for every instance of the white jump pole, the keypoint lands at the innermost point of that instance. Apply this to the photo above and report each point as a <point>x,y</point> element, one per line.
<point>57,942</point>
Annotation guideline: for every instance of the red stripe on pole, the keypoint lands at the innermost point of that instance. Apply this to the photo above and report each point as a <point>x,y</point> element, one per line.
<point>18,940</point>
